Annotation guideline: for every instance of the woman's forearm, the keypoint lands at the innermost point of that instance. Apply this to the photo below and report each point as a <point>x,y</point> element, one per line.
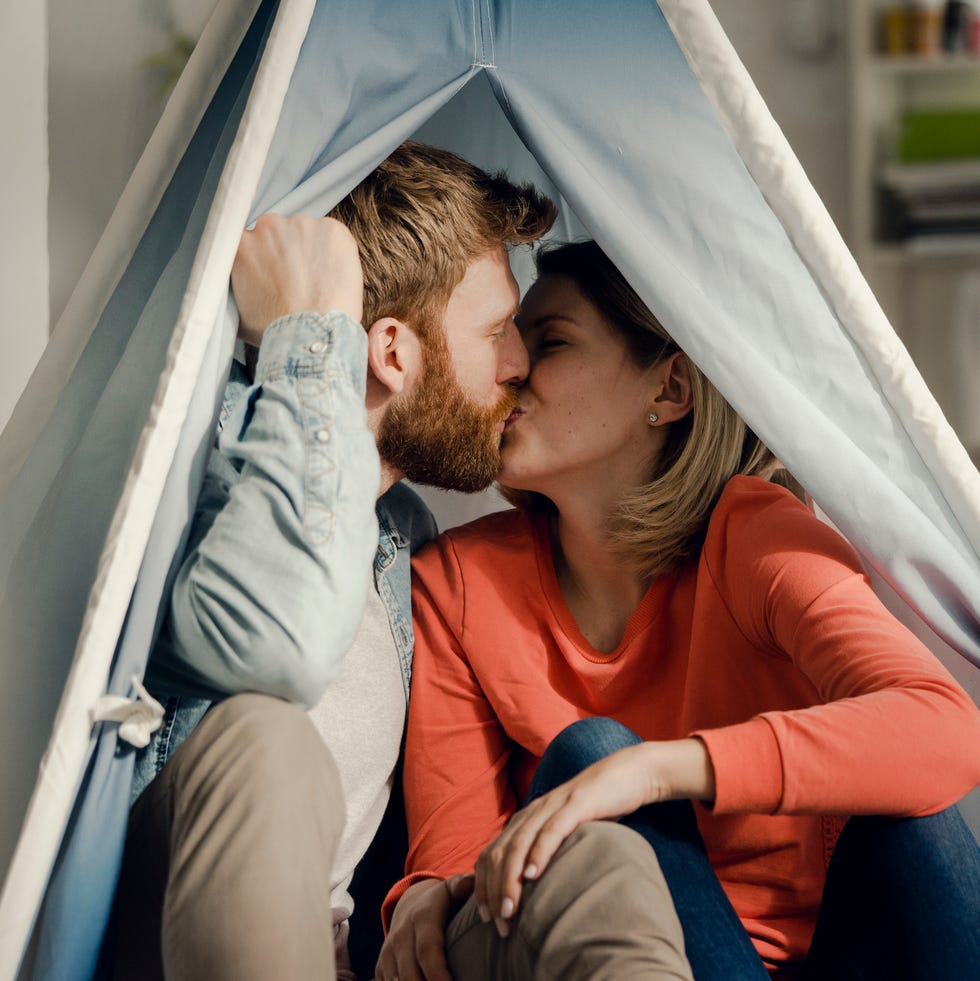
<point>681,769</point>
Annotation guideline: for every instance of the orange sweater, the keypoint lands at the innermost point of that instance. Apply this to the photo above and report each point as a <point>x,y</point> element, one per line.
<point>813,701</point>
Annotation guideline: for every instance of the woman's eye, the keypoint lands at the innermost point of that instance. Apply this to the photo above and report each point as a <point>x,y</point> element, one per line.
<point>550,343</point>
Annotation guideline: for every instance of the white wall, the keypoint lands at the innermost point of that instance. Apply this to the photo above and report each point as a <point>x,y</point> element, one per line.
<point>104,103</point>
<point>77,104</point>
<point>23,198</point>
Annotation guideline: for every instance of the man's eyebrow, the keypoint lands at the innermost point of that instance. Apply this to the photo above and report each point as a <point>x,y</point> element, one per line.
<point>509,314</point>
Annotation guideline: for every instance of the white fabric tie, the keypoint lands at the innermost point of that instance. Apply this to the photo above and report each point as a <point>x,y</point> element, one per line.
<point>138,717</point>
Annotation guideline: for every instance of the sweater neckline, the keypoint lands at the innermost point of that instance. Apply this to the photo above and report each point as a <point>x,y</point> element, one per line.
<point>641,618</point>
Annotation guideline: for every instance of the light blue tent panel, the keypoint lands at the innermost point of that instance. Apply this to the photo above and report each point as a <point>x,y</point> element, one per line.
<point>641,117</point>
<point>71,927</point>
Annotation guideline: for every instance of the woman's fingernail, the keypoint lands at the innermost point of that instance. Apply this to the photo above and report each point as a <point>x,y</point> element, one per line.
<point>531,871</point>
<point>507,908</point>
<point>502,927</point>
<point>484,913</point>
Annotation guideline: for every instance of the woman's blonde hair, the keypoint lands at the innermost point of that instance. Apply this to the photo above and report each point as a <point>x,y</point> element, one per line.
<point>661,524</point>
<point>421,217</point>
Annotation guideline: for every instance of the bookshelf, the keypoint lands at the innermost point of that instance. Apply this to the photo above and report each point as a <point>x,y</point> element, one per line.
<point>920,279</point>
<point>881,87</point>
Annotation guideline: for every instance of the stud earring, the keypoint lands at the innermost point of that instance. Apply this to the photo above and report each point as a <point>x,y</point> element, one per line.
<point>652,418</point>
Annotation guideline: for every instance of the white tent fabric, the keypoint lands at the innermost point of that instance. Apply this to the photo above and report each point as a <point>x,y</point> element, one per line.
<point>642,119</point>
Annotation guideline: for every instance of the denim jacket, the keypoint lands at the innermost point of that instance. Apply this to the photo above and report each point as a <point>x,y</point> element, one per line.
<point>271,589</point>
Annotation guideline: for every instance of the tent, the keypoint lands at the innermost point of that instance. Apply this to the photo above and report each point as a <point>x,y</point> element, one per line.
<point>640,118</point>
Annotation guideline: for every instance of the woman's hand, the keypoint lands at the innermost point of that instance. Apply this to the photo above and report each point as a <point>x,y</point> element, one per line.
<point>613,787</point>
<point>415,946</point>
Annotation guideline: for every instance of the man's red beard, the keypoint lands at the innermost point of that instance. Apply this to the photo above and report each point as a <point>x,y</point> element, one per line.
<point>438,436</point>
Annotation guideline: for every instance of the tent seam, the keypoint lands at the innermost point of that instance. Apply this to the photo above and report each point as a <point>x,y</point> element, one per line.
<point>493,52</point>
<point>473,20</point>
<point>480,58</point>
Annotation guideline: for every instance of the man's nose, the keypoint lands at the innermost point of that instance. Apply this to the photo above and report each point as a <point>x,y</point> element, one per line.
<point>514,363</point>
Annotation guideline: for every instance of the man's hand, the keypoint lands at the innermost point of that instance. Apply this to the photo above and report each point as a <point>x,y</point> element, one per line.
<point>292,265</point>
<point>415,946</point>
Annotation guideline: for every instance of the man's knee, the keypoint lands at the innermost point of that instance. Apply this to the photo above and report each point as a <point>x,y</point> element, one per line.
<point>265,729</point>
<point>604,865</point>
<point>252,718</point>
<point>603,909</point>
<point>600,910</point>
<point>258,746</point>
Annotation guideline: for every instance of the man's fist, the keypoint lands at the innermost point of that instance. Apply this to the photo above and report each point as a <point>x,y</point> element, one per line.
<point>291,265</point>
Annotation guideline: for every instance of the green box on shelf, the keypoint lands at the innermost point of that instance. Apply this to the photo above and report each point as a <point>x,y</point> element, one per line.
<point>939,134</point>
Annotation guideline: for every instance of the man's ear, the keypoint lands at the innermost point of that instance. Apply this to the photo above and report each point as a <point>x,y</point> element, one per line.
<point>394,354</point>
<point>673,399</point>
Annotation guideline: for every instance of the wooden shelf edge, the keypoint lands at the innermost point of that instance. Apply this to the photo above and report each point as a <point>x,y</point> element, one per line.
<point>922,64</point>
<point>899,253</point>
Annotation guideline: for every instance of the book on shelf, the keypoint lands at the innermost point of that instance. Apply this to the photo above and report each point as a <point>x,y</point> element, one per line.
<point>948,176</point>
<point>930,206</point>
<point>963,244</point>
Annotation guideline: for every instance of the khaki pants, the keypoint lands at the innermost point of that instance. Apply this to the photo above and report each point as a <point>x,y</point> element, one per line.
<point>228,860</point>
<point>601,912</point>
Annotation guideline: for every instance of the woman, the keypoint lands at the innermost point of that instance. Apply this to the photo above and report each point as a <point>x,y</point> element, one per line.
<point>721,645</point>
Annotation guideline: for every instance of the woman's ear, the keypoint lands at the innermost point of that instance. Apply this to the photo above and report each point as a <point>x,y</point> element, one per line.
<point>673,399</point>
<point>394,354</point>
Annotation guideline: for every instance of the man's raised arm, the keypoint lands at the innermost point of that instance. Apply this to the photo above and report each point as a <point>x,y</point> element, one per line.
<point>271,589</point>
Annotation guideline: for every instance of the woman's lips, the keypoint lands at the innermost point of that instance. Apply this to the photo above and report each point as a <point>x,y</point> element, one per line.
<point>513,417</point>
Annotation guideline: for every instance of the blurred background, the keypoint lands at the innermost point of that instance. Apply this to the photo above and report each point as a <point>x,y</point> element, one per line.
<point>880,100</point>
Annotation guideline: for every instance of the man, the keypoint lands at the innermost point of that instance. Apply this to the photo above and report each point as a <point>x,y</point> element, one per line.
<point>241,847</point>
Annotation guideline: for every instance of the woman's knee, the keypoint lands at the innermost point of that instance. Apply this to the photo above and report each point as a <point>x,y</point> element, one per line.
<point>591,740</point>
<point>577,746</point>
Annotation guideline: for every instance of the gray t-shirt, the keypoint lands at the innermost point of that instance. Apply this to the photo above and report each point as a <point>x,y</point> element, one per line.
<point>361,717</point>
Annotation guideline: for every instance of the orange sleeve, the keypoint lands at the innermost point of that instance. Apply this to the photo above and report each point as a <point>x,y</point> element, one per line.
<point>457,790</point>
<point>894,733</point>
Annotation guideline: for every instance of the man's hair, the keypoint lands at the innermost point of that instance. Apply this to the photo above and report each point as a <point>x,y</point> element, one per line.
<point>662,523</point>
<point>421,218</point>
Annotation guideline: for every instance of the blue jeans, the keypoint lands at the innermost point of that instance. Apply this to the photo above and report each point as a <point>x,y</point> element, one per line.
<point>901,900</point>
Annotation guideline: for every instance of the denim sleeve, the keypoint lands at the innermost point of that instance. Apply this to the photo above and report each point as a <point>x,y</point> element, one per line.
<point>279,561</point>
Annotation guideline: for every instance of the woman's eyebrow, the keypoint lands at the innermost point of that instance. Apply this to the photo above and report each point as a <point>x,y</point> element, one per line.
<point>545,318</point>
